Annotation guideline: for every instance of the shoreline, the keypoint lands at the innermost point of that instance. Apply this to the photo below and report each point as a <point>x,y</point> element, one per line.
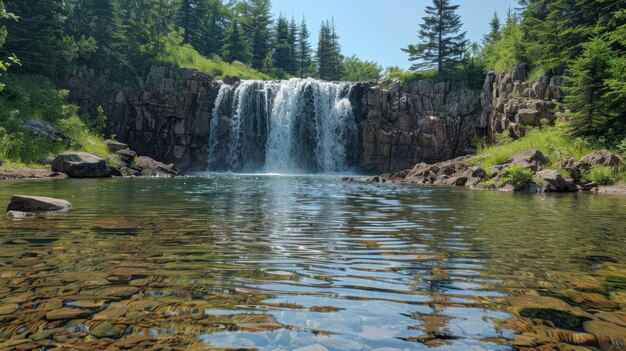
<point>25,174</point>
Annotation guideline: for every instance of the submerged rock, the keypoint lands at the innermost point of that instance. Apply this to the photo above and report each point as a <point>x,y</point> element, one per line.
<point>37,204</point>
<point>611,337</point>
<point>64,313</point>
<point>81,165</point>
<point>105,330</point>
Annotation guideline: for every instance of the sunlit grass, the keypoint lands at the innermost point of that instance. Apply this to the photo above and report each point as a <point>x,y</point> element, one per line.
<point>187,57</point>
<point>551,141</point>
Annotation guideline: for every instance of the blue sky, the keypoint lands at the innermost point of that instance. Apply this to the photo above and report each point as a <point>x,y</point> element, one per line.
<point>377,29</point>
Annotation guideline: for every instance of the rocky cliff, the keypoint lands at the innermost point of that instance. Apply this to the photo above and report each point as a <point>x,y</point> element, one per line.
<point>167,117</point>
<point>421,121</point>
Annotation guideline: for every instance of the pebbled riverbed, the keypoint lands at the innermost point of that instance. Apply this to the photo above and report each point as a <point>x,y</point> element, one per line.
<point>311,263</point>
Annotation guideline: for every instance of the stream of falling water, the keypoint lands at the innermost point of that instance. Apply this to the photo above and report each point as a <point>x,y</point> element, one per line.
<point>298,125</point>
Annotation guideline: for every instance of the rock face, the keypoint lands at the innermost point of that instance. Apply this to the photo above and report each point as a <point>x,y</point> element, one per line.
<point>81,165</point>
<point>509,102</point>
<point>34,204</point>
<point>167,117</point>
<point>422,121</point>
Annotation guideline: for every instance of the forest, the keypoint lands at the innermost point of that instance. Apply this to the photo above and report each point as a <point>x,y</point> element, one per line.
<point>47,41</point>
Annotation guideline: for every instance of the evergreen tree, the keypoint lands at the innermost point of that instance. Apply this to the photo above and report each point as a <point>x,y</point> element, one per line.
<point>443,43</point>
<point>495,34</point>
<point>283,59</point>
<point>304,49</point>
<point>293,43</point>
<point>35,37</point>
<point>101,21</point>
<point>586,93</point>
<point>257,21</point>
<point>328,53</point>
<point>191,16</point>
<point>236,46</point>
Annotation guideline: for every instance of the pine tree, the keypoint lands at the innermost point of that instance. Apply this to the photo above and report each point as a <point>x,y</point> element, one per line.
<point>304,49</point>
<point>293,43</point>
<point>586,93</point>
<point>236,46</point>
<point>495,34</point>
<point>34,38</point>
<point>328,53</point>
<point>443,43</point>
<point>257,21</point>
<point>4,65</point>
<point>102,22</point>
<point>283,58</point>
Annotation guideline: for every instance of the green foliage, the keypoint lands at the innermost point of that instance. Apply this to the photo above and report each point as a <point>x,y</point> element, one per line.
<point>356,70</point>
<point>328,55</point>
<point>516,175</point>
<point>442,43</point>
<point>236,44</point>
<point>601,175</point>
<point>554,142</point>
<point>508,51</point>
<point>283,52</point>
<point>587,89</point>
<point>28,97</point>
<point>184,55</point>
<point>303,52</point>
<point>256,20</point>
<point>34,38</point>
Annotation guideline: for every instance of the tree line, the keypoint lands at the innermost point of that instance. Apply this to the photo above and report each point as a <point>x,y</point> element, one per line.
<point>582,40</point>
<point>52,37</point>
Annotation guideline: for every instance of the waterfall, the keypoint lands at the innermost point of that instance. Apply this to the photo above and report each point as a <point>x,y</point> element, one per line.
<point>298,125</point>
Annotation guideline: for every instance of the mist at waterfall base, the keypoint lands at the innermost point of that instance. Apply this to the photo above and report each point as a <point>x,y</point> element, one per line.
<point>296,126</point>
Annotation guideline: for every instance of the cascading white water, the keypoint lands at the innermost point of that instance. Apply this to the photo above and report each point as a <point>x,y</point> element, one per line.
<point>299,125</point>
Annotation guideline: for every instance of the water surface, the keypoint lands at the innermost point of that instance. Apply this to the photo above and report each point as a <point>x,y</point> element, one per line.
<point>308,263</point>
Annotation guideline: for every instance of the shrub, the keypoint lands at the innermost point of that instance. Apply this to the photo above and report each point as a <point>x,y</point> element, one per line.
<point>518,176</point>
<point>601,175</point>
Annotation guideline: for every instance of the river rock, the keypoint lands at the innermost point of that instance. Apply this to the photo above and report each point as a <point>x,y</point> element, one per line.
<point>152,168</point>
<point>559,312</point>
<point>115,145</point>
<point>81,165</point>
<point>611,337</point>
<point>36,204</point>
<point>64,313</point>
<point>8,309</point>
<point>603,158</point>
<point>43,129</point>
<point>553,182</point>
<point>533,159</point>
<point>105,330</point>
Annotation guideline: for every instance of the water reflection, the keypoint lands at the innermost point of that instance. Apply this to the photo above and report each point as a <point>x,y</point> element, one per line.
<point>310,263</point>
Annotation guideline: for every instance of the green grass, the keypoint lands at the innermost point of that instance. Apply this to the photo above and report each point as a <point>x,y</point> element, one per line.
<point>27,96</point>
<point>184,55</point>
<point>554,142</point>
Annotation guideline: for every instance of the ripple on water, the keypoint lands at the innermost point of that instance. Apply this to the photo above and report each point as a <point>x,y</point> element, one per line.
<point>310,263</point>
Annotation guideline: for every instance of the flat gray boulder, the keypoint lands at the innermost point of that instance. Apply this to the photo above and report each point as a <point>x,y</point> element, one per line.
<point>115,145</point>
<point>152,168</point>
<point>81,165</point>
<point>25,206</point>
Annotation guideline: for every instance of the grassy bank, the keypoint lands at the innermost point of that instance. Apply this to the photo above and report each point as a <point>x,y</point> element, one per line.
<point>28,97</point>
<point>556,144</point>
<point>184,55</point>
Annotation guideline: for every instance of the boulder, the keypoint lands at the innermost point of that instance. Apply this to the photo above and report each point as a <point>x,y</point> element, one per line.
<point>532,159</point>
<point>43,129</point>
<point>127,156</point>
<point>603,158</point>
<point>81,165</point>
<point>152,168</point>
<point>553,182</point>
<point>115,146</point>
<point>35,204</point>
